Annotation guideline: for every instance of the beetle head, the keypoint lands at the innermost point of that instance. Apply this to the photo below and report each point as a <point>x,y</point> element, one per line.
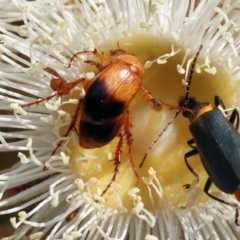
<point>192,104</point>
<point>117,52</point>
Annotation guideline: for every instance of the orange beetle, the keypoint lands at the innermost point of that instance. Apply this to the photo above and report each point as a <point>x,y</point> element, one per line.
<point>104,110</point>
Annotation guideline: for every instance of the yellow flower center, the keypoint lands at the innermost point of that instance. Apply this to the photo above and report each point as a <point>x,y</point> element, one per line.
<point>167,157</point>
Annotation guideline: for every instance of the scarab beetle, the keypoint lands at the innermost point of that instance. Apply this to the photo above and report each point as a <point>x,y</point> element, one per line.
<point>103,111</point>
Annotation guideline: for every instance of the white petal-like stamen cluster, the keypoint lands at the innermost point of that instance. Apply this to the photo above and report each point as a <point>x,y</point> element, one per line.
<point>38,34</point>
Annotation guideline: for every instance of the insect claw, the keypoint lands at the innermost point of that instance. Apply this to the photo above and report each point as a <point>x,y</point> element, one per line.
<point>187,186</point>
<point>156,104</point>
<point>157,101</point>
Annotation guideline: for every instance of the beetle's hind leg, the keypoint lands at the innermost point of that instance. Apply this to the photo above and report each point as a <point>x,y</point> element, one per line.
<point>117,161</point>
<point>234,205</point>
<point>126,131</point>
<point>70,127</point>
<point>189,154</point>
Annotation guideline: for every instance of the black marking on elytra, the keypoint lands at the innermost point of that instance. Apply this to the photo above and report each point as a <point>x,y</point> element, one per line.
<point>100,133</point>
<point>99,106</point>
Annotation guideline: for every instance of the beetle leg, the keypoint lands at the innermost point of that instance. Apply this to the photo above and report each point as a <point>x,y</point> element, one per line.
<point>236,216</point>
<point>39,101</point>
<point>66,88</point>
<point>69,86</point>
<point>156,105</point>
<point>99,66</point>
<point>235,113</point>
<point>128,132</point>
<point>235,117</point>
<point>218,101</point>
<point>191,153</point>
<point>190,143</point>
<point>206,190</point>
<point>105,60</point>
<point>117,161</point>
<point>70,127</point>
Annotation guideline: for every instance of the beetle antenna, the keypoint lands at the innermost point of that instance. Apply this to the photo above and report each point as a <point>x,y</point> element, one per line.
<point>191,72</point>
<point>158,101</point>
<point>159,135</point>
<point>118,44</point>
<point>179,109</point>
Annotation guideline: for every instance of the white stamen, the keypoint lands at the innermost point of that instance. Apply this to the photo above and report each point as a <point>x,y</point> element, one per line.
<point>23,158</point>
<point>36,236</point>
<point>74,101</point>
<point>211,70</point>
<point>80,184</point>
<point>184,82</point>
<point>64,158</point>
<point>24,7</point>
<point>56,104</point>
<point>175,36</point>
<point>55,200</point>
<point>150,237</point>
<point>75,234</point>
<point>146,24</point>
<point>197,68</point>
<point>18,109</point>
<point>62,113</point>
<point>230,64</point>
<point>155,6</point>
<point>90,75</point>
<point>180,69</point>
<point>207,218</point>
<point>13,222</point>
<point>162,59</point>
<point>51,34</point>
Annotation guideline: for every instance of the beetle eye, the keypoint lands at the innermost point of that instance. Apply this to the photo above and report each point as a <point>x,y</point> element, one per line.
<point>183,101</point>
<point>188,114</point>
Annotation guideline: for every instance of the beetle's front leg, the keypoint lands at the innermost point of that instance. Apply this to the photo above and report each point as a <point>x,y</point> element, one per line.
<point>105,60</point>
<point>60,86</point>
<point>99,66</point>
